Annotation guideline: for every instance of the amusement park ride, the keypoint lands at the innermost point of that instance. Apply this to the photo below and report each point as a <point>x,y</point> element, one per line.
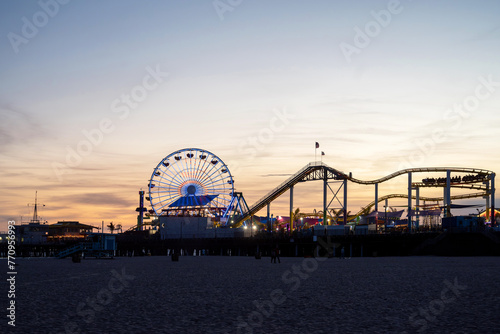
<point>195,182</point>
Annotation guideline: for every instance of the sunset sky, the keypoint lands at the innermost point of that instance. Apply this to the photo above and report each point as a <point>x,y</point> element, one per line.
<point>93,94</point>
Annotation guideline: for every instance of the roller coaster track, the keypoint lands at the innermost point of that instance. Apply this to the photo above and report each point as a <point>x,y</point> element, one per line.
<point>366,208</point>
<point>317,170</point>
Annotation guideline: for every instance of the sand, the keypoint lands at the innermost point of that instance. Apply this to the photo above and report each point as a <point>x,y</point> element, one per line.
<point>243,295</point>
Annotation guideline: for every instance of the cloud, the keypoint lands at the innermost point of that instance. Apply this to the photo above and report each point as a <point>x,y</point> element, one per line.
<point>18,127</point>
<point>98,199</point>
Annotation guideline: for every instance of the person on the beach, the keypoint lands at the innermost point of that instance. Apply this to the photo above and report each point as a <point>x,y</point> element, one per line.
<point>277,254</point>
<point>273,256</point>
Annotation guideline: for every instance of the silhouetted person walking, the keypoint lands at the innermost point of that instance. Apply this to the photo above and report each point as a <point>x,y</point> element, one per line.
<point>277,254</point>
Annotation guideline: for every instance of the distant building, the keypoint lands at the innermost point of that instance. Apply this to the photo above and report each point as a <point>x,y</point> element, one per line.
<point>68,231</point>
<point>34,233</point>
<point>3,237</point>
<point>197,227</point>
<point>463,223</point>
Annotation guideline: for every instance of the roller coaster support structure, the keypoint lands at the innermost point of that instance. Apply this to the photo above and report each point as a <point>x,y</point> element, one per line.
<point>417,207</point>
<point>291,208</point>
<point>376,205</point>
<point>269,222</point>
<point>448,193</point>
<point>325,206</point>
<point>320,171</point>
<point>409,202</point>
<point>492,198</point>
<point>345,201</point>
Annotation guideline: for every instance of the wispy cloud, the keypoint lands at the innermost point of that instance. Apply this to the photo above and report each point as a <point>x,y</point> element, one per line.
<point>95,199</point>
<point>18,127</point>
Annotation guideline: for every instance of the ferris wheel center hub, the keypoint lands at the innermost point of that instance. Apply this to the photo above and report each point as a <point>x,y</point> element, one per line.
<point>191,190</point>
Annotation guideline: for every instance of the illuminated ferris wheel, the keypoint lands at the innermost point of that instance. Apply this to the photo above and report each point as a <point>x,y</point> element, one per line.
<point>191,178</point>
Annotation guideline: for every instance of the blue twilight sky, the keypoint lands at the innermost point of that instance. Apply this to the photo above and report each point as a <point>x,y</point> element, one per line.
<point>381,85</point>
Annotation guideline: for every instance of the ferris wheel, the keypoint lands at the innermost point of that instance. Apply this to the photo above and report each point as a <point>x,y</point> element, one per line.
<point>191,178</point>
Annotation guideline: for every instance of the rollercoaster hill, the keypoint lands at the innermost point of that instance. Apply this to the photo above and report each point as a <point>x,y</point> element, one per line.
<point>474,179</point>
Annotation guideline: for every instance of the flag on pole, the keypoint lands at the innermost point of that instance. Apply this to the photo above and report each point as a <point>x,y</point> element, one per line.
<point>322,153</point>
<point>317,145</point>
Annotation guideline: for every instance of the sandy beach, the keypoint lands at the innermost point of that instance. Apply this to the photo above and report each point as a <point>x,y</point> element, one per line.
<point>243,295</point>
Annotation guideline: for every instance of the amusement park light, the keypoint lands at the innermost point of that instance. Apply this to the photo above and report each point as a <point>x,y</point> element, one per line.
<point>254,227</point>
<point>245,227</point>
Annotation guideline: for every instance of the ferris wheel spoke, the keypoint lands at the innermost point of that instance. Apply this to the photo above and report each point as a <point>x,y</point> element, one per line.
<point>162,206</point>
<point>166,197</point>
<point>211,183</point>
<point>174,178</point>
<point>168,182</point>
<point>206,165</point>
<point>163,180</point>
<point>170,176</point>
<point>214,186</point>
<point>178,172</point>
<point>210,174</point>
<point>192,165</point>
<point>166,172</point>
<point>185,167</point>
<point>201,162</point>
<point>189,167</point>
<point>167,190</point>
<point>174,167</point>
<point>208,170</point>
<point>216,191</point>
<point>212,167</point>
<point>168,200</point>
<point>220,203</point>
